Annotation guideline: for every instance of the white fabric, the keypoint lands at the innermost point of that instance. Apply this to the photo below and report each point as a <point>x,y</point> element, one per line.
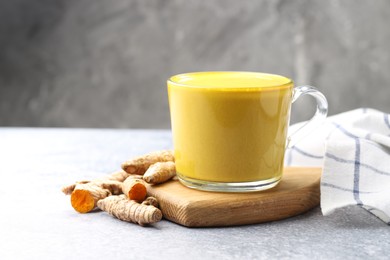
<point>354,150</point>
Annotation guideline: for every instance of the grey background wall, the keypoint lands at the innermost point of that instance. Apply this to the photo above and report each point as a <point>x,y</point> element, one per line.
<point>103,63</point>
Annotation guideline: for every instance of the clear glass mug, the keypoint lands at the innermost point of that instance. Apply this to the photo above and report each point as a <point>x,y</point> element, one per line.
<point>230,128</point>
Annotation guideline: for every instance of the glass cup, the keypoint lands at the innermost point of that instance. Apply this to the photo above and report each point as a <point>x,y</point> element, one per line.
<point>230,128</point>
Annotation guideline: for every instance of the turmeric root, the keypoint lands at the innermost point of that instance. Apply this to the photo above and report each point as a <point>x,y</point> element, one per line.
<point>150,201</point>
<point>130,210</point>
<point>67,190</point>
<point>134,188</point>
<point>160,172</point>
<point>140,164</point>
<point>85,194</point>
<point>120,176</point>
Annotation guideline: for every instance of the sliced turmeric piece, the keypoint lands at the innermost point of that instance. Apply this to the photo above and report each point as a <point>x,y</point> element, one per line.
<point>134,188</point>
<point>86,194</point>
<point>160,172</point>
<point>130,210</point>
<point>140,164</point>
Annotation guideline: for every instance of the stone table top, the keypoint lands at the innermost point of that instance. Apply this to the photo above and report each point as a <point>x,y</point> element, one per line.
<point>37,220</point>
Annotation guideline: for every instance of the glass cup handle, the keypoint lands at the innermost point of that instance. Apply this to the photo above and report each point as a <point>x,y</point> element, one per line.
<point>318,118</point>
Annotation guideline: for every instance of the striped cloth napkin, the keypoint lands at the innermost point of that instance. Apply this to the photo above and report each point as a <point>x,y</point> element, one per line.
<point>354,150</point>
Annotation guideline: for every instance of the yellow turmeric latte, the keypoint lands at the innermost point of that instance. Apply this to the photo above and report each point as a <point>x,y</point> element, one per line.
<point>229,126</point>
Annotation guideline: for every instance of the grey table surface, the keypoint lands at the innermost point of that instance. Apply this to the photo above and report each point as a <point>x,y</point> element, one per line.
<point>37,220</point>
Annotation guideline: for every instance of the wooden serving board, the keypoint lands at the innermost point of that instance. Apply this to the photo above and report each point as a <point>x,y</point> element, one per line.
<point>298,192</point>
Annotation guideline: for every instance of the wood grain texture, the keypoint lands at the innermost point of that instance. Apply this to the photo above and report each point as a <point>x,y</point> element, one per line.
<point>298,192</point>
